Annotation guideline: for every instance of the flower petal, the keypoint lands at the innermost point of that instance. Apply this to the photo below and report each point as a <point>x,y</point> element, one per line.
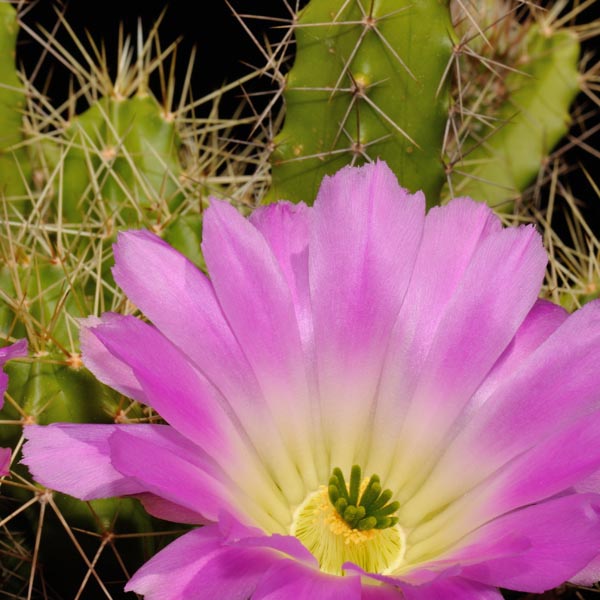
<point>549,390</point>
<point>211,563</point>
<point>102,363</point>
<point>294,580</point>
<point>286,229</point>
<point>184,308</point>
<point>189,403</point>
<point>170,384</point>
<point>166,575</point>
<point>365,235</point>
<point>178,472</point>
<point>489,304</point>
<point>258,305</point>
<point>7,353</point>
<point>168,511</point>
<point>75,459</point>
<point>455,588</point>
<point>543,319</point>
<point>589,575</point>
<point>562,536</point>
<point>5,456</point>
<point>451,235</point>
<point>553,466</point>
<point>381,592</point>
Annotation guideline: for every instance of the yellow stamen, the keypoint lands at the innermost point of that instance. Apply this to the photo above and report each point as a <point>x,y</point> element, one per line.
<point>333,542</point>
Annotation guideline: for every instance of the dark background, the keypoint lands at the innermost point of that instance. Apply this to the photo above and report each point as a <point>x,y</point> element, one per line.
<point>224,51</point>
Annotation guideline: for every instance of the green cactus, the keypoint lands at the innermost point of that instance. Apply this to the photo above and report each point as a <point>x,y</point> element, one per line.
<point>518,111</point>
<point>14,166</point>
<point>358,89</point>
<point>123,151</point>
<point>364,76</point>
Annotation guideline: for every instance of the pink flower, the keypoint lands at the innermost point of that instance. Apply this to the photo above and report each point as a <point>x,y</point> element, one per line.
<point>335,353</point>
<point>5,455</point>
<point>8,353</point>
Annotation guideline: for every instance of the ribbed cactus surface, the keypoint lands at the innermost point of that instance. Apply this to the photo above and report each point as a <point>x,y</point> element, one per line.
<point>367,82</point>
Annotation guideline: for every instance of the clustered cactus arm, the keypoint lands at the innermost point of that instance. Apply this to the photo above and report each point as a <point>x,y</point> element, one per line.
<point>511,107</point>
<point>14,166</point>
<point>367,82</point>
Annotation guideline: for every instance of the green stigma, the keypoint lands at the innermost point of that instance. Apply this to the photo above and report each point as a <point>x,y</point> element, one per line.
<point>369,508</point>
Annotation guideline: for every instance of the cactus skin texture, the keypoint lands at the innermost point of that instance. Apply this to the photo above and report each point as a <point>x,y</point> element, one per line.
<point>365,84</point>
<point>14,166</point>
<point>531,120</point>
<point>121,148</point>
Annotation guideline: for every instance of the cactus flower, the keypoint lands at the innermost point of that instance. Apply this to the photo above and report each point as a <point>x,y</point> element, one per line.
<point>7,353</point>
<point>5,455</point>
<point>363,402</point>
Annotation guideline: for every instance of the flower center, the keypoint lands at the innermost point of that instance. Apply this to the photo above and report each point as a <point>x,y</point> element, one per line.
<point>354,523</point>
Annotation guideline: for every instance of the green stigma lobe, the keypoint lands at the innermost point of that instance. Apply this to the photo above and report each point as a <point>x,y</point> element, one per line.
<point>370,509</point>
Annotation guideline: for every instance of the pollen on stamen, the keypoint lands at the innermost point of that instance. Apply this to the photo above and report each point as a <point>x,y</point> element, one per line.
<point>334,542</point>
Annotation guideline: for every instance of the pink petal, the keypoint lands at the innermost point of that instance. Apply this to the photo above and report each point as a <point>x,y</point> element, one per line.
<point>490,302</point>
<point>237,533</point>
<point>549,389</point>
<point>170,384</point>
<point>258,305</point>
<point>380,592</point>
<point>104,365</point>
<point>204,565</point>
<point>166,575</point>
<point>184,308</point>
<point>549,468</point>
<point>562,535</point>
<point>75,459</point>
<point>7,353</point>
<point>286,229</point>
<point>365,235</point>
<point>451,235</point>
<point>184,398</point>
<point>167,510</point>
<point>289,580</point>
<point>589,575</point>
<point>5,456</point>
<point>543,319</point>
<point>454,588</point>
<point>164,466</point>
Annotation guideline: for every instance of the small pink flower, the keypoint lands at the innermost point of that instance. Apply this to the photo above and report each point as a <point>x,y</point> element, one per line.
<point>8,353</point>
<point>5,455</point>
<point>364,402</point>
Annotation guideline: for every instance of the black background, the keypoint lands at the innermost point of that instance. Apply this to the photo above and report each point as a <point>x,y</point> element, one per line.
<point>224,49</point>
